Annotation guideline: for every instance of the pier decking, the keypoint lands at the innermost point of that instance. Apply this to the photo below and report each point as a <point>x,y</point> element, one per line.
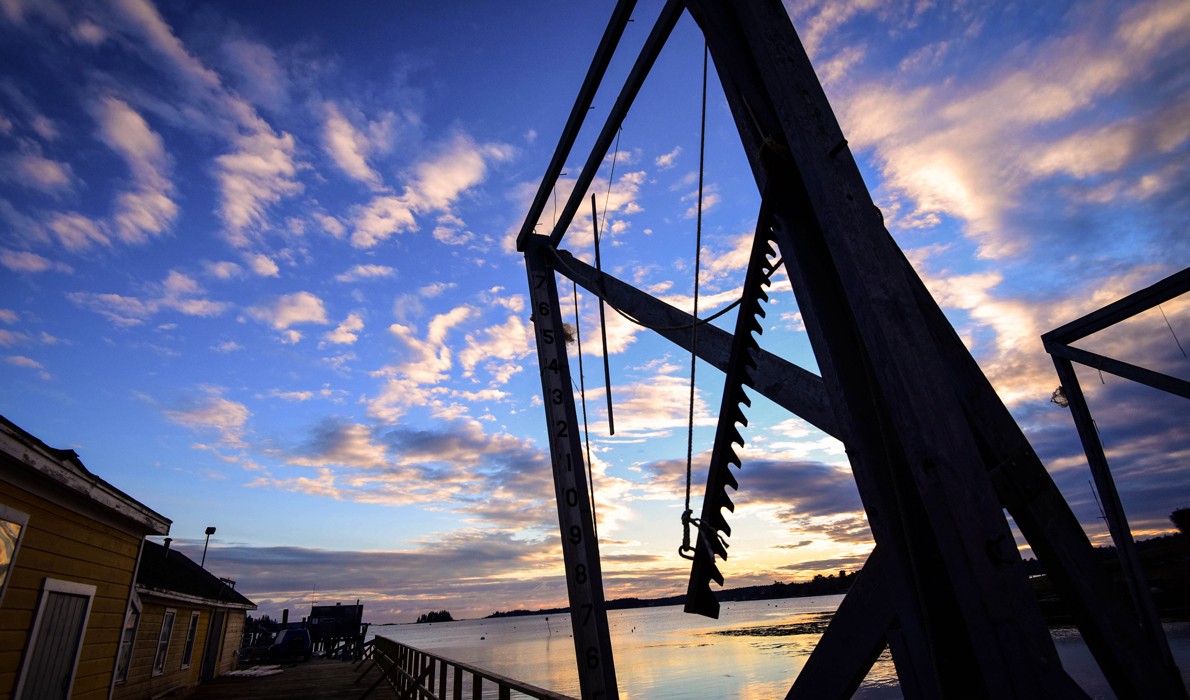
<point>318,679</point>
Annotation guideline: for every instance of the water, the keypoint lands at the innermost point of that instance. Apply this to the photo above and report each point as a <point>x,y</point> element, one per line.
<point>754,650</point>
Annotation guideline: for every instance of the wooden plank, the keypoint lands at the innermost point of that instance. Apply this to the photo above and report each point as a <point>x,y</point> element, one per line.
<point>621,16</point>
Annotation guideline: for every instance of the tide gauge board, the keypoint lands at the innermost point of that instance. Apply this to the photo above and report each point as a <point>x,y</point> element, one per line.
<point>580,548</point>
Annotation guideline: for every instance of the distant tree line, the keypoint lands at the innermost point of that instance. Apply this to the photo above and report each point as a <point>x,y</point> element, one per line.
<point>436,616</point>
<point>819,585</point>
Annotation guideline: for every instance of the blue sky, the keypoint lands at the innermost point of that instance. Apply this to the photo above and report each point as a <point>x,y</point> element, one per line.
<point>258,269</point>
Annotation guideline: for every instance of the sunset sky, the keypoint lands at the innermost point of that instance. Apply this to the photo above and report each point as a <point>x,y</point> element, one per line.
<point>258,269</point>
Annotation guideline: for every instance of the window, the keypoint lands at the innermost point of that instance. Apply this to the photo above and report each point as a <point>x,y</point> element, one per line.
<point>167,629</point>
<point>190,634</point>
<point>12,526</point>
<point>128,638</point>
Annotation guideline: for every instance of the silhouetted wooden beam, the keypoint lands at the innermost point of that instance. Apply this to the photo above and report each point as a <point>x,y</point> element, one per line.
<point>1148,377</point>
<point>793,388</point>
<point>1142,300</point>
<point>586,95</point>
<point>1113,510</point>
<point>640,70</point>
<point>854,639</point>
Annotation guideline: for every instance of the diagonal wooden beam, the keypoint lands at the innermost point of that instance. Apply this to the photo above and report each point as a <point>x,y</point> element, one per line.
<point>621,16</point>
<point>1141,375</point>
<point>782,382</point>
<point>640,70</point>
<point>1126,307</point>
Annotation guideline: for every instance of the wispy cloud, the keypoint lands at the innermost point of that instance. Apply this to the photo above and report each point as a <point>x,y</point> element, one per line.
<point>177,292</point>
<point>25,261</point>
<point>350,148</point>
<point>365,272</point>
<point>215,414</point>
<point>435,185</point>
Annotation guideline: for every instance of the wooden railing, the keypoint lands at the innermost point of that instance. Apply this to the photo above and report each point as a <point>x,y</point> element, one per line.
<point>419,675</point>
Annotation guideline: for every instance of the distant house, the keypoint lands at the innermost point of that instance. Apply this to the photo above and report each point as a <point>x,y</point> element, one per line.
<point>69,546</point>
<point>183,628</point>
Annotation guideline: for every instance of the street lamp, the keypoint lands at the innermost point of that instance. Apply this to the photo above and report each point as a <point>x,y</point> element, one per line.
<point>210,531</point>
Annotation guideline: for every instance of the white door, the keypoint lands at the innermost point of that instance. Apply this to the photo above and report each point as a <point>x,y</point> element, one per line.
<point>51,658</point>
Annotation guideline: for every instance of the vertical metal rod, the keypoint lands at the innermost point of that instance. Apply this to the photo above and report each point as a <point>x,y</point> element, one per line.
<point>607,372</point>
<point>580,547</point>
<point>1113,510</point>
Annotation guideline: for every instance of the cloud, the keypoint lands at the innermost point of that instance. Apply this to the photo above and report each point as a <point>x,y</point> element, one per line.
<point>39,172</point>
<point>259,173</point>
<point>22,361</point>
<point>260,168</point>
<point>350,148</point>
<point>981,150</point>
<point>290,310</point>
<point>178,292</point>
<point>435,185</point>
<point>496,345</point>
<point>347,332</point>
<point>147,209</point>
<point>263,265</point>
<point>76,232</point>
<point>282,577</point>
<point>363,272</point>
<point>223,270</point>
<point>666,161</point>
<point>216,414</point>
<point>25,261</point>
<point>29,363</point>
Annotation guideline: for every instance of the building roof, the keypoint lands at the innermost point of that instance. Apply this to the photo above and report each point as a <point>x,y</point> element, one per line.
<point>63,469</point>
<point>171,574</point>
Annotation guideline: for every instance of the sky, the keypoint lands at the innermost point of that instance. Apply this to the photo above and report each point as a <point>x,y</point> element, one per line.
<point>258,267</point>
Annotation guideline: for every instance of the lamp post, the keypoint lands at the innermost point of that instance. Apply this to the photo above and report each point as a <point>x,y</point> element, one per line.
<point>210,531</point>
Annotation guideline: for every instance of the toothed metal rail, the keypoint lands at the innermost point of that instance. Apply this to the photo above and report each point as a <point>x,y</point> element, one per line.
<point>700,599</point>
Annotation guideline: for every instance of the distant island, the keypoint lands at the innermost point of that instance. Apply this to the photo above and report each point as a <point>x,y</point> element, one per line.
<point>436,616</point>
<point>819,585</point>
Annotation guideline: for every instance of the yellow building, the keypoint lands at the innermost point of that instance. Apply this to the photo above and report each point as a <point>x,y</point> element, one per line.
<point>184,627</point>
<point>69,547</point>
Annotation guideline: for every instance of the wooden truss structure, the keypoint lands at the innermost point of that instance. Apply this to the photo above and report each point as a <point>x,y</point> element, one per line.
<point>935,454</point>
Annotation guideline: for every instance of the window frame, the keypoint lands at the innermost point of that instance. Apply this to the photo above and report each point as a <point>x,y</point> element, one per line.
<point>21,519</point>
<point>164,636</point>
<point>191,635</point>
<point>128,637</point>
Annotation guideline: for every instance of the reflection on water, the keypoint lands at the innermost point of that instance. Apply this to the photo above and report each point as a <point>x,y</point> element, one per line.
<point>754,650</point>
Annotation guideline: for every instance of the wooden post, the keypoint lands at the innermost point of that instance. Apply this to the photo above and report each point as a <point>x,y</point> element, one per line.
<point>580,549</point>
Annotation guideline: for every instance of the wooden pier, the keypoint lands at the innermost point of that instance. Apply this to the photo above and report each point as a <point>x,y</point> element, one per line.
<point>388,669</point>
<point>318,679</point>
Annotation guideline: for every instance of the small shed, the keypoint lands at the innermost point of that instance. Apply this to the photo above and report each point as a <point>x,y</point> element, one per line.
<point>69,546</point>
<point>184,626</point>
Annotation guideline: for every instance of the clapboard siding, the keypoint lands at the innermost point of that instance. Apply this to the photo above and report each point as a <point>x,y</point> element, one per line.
<point>62,542</point>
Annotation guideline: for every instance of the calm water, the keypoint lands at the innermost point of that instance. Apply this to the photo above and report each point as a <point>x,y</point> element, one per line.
<point>754,650</point>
